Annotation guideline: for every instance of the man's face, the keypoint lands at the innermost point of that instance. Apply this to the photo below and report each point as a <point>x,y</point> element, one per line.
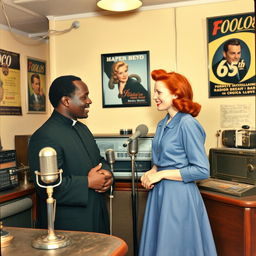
<point>233,54</point>
<point>80,102</point>
<point>36,85</point>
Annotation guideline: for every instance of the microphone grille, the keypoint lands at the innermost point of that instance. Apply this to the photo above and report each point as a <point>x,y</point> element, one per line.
<point>143,129</point>
<point>47,151</point>
<point>110,156</point>
<point>48,164</point>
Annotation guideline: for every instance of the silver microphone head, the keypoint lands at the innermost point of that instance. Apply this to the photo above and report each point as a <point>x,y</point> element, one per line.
<point>142,129</point>
<point>48,165</point>
<point>110,156</point>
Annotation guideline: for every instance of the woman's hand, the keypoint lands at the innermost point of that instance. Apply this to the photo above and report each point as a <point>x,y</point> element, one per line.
<point>149,178</point>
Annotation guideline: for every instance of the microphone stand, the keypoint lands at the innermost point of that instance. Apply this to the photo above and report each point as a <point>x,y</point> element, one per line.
<point>111,196</point>
<point>50,241</point>
<point>133,150</point>
<point>110,157</point>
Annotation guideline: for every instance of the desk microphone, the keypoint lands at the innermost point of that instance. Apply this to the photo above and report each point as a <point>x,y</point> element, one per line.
<point>49,174</point>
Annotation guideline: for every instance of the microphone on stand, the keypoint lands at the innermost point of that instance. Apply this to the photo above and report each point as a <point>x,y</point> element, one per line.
<point>49,174</point>
<point>140,131</point>
<point>110,157</point>
<point>133,147</point>
<point>48,165</point>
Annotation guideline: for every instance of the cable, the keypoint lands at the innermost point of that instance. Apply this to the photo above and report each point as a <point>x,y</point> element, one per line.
<point>39,36</point>
<point>74,25</point>
<point>11,29</point>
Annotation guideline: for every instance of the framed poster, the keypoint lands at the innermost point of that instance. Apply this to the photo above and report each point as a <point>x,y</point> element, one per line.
<point>10,98</point>
<point>125,79</point>
<point>231,55</point>
<point>36,86</point>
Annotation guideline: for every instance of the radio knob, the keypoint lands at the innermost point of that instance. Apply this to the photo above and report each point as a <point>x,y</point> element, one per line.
<point>251,168</point>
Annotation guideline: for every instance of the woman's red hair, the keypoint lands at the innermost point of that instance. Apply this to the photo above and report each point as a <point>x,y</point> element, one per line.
<point>179,86</point>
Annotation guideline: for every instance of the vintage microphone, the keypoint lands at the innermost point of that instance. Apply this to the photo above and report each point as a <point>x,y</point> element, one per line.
<point>110,157</point>
<point>132,143</point>
<point>140,131</point>
<point>133,150</point>
<point>49,174</point>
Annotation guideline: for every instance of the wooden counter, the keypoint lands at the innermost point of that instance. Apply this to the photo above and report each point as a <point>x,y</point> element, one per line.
<point>233,219</point>
<point>18,192</point>
<point>233,222</point>
<point>82,243</point>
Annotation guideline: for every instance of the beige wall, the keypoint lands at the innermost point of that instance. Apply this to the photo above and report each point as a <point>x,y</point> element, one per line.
<point>192,61</point>
<point>79,53</point>
<point>27,123</point>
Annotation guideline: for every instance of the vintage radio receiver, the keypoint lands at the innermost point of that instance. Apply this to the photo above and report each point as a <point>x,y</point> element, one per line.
<point>233,171</point>
<point>122,165</point>
<point>8,170</point>
<point>243,138</point>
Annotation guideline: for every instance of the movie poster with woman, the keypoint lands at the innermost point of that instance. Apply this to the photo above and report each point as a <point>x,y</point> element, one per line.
<point>125,79</point>
<point>231,55</point>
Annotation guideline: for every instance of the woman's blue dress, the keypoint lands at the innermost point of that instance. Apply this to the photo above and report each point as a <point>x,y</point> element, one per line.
<point>175,221</point>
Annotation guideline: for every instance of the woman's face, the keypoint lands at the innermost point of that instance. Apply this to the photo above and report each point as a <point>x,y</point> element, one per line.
<point>122,74</point>
<point>163,97</point>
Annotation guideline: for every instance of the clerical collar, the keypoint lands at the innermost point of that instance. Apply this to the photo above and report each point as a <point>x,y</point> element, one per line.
<point>74,122</point>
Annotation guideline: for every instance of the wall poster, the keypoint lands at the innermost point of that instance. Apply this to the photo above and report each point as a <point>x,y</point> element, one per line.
<point>10,98</point>
<point>125,79</point>
<point>231,55</point>
<point>36,86</point>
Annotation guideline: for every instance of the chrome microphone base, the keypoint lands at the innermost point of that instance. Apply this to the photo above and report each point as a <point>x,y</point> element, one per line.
<point>6,238</point>
<point>46,242</point>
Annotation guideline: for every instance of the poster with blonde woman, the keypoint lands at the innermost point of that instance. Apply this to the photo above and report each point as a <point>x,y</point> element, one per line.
<point>125,79</point>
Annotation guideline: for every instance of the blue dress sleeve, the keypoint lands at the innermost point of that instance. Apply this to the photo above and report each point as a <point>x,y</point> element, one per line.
<point>193,138</point>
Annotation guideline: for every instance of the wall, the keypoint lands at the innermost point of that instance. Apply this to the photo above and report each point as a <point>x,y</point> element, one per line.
<point>27,123</point>
<point>79,52</point>
<point>193,61</point>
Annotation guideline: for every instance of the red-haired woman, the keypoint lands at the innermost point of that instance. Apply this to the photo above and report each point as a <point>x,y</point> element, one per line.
<point>175,220</point>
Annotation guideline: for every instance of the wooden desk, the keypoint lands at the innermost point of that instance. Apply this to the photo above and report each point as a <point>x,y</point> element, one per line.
<point>82,243</point>
<point>233,219</point>
<point>18,192</point>
<point>233,222</point>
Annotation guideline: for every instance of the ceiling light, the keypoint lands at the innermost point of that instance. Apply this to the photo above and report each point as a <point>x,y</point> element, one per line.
<point>119,5</point>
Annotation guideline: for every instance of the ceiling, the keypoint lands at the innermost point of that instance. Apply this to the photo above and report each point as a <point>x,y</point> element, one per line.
<point>31,16</point>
